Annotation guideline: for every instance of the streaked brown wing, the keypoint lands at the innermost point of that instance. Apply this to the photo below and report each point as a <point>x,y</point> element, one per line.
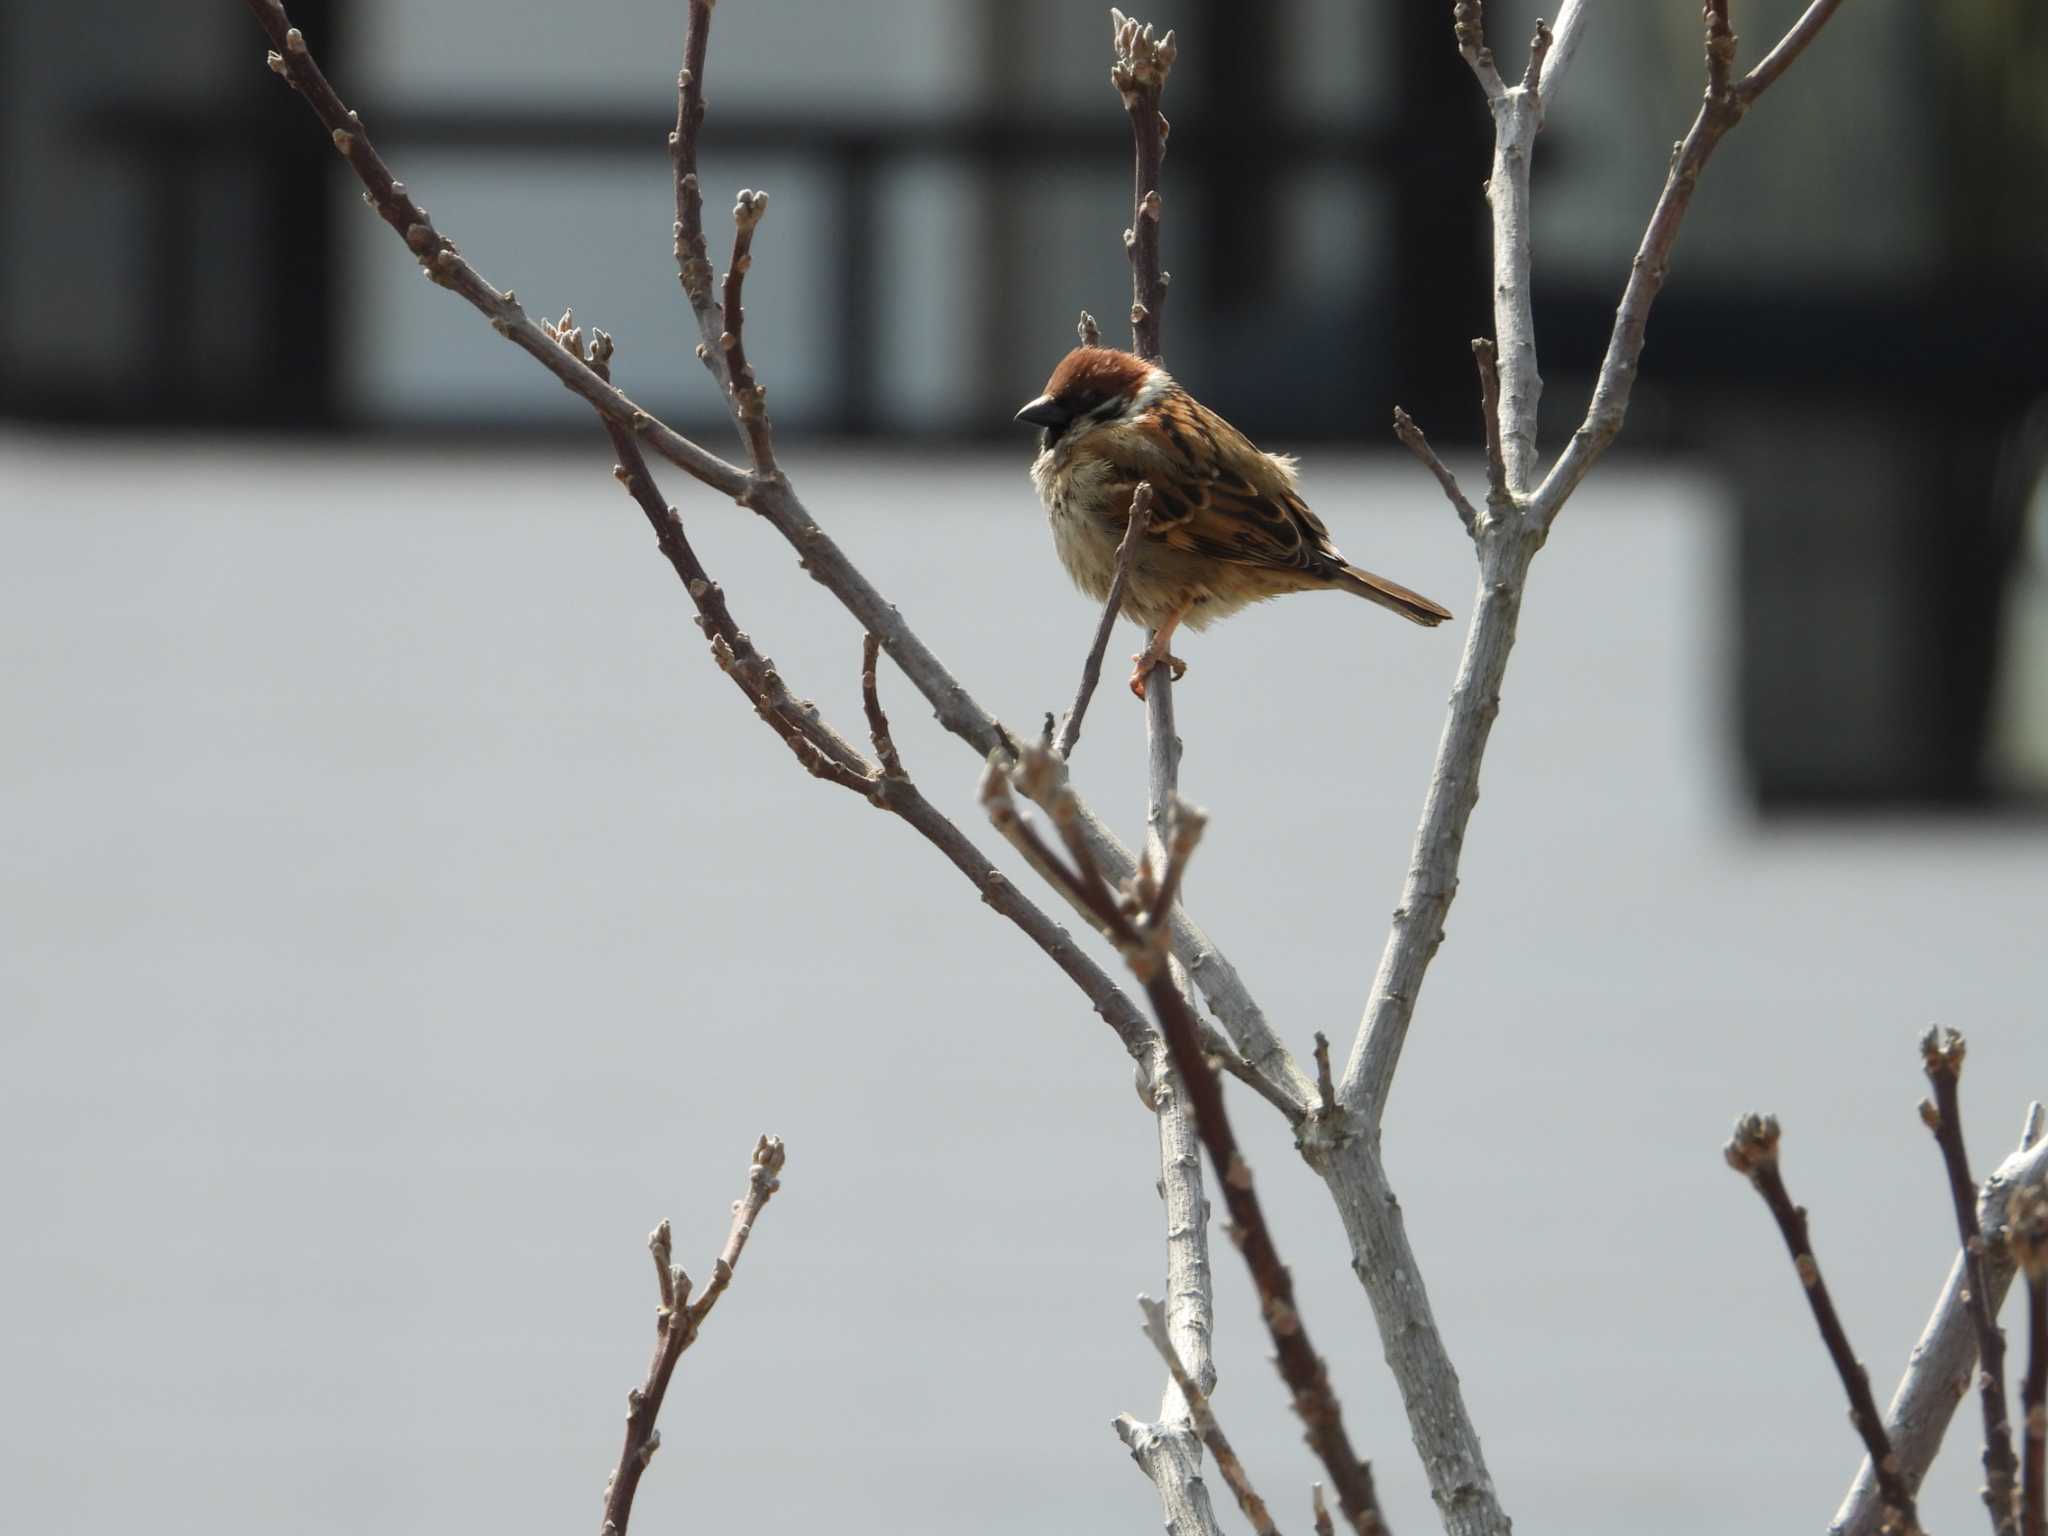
<point>1252,517</point>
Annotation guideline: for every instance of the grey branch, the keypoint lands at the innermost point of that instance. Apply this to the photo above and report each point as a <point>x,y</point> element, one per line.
<point>1512,527</point>
<point>1939,1370</point>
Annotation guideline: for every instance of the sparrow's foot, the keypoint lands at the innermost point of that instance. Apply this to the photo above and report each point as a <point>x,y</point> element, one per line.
<point>1143,663</point>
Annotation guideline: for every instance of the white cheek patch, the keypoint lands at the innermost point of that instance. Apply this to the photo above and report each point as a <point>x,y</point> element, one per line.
<point>1156,384</point>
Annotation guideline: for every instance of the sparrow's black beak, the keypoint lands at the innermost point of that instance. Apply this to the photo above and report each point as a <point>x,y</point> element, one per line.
<point>1045,412</point>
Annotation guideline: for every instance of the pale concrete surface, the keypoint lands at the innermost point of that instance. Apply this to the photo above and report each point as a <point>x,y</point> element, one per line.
<point>400,915</point>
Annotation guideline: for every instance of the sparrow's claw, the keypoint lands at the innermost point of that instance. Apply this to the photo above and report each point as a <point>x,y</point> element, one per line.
<point>1143,663</point>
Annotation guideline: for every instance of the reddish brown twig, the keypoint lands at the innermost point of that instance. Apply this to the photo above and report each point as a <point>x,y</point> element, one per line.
<point>1112,606</point>
<point>821,750</point>
<point>1139,75</point>
<point>1411,435</point>
<point>1140,937</point>
<point>1720,48</point>
<point>720,320</point>
<point>1942,1058</point>
<point>677,1323</point>
<point>2027,1235</point>
<point>1204,1418</point>
<point>871,701</point>
<point>749,399</point>
<point>693,255</point>
<point>438,257</point>
<point>1753,1152</point>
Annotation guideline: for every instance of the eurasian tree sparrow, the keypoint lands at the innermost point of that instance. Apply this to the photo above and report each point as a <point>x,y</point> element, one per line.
<point>1228,526</point>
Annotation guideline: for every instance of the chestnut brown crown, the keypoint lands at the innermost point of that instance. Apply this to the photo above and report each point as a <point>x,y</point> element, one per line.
<point>1091,385</point>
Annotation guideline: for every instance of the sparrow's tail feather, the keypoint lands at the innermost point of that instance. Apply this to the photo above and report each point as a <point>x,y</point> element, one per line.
<point>1412,606</point>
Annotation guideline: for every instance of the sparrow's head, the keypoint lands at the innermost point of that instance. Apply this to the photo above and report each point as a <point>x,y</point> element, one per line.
<point>1093,387</point>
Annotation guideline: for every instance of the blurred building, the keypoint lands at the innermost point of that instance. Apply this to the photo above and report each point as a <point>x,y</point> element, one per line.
<point>1853,332</point>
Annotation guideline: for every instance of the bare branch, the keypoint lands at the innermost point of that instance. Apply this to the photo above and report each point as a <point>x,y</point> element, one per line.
<point>1720,49</point>
<point>1225,1056</point>
<point>661,1244</point>
<point>1504,559</point>
<point>1790,46</point>
<point>1497,494</point>
<point>1717,114</point>
<point>693,256</point>
<point>748,397</point>
<point>1206,1426</point>
<point>1139,75</point>
<point>1091,669</point>
<point>1938,1371</point>
<point>1411,435</point>
<point>1322,1511</point>
<point>676,1327</point>
<point>1184,827</point>
<point>2028,1242</point>
<point>1942,1057</point>
<point>1326,1090</point>
<point>871,700</point>
<point>1469,23</point>
<point>1539,50</point>
<point>1753,1153</point>
<point>1564,47</point>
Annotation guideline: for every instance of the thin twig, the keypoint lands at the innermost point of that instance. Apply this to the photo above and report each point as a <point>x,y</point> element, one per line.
<point>1087,330</point>
<point>1225,1056</point>
<point>1942,1058</point>
<point>1326,1089</point>
<point>1942,1361</point>
<point>2027,1240</point>
<point>1204,1416</point>
<point>1539,50</point>
<point>1611,390</point>
<point>1142,63</point>
<point>748,397</point>
<point>1720,48</point>
<point>1790,46</point>
<point>1091,669</point>
<point>1411,435</point>
<point>1322,1511</point>
<point>1488,363</point>
<point>1469,21</point>
<point>676,1327</point>
<point>871,700</point>
<point>1753,1152</point>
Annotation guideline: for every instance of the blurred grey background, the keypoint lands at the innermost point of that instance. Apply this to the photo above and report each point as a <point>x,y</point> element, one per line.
<point>398,915</point>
